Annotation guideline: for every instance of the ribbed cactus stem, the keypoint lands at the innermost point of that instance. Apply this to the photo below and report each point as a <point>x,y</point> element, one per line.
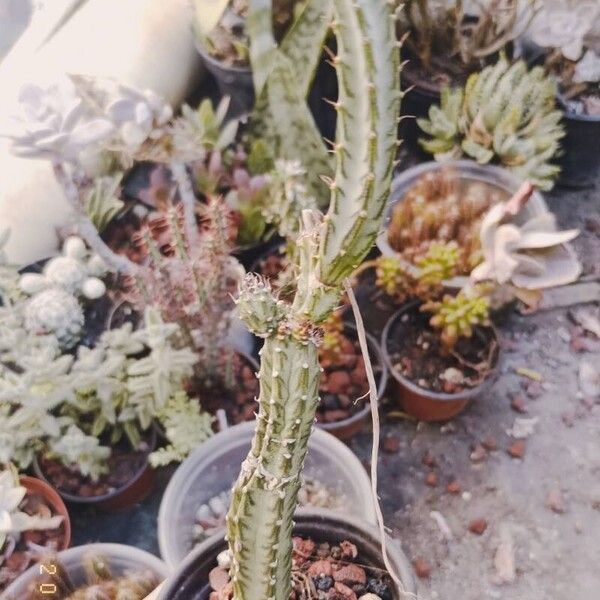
<point>260,520</point>
<point>259,524</point>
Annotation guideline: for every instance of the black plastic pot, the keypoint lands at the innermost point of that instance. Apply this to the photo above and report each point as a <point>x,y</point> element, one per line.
<point>416,102</point>
<point>235,82</point>
<point>190,582</point>
<point>580,161</point>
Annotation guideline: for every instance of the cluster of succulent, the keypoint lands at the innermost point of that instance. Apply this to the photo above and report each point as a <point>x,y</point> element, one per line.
<point>66,405</point>
<point>101,583</point>
<point>53,305</point>
<point>224,34</point>
<point>505,114</point>
<point>186,427</point>
<point>456,316</point>
<point>454,38</point>
<point>402,281</point>
<point>568,30</point>
<point>441,207</point>
<point>13,520</point>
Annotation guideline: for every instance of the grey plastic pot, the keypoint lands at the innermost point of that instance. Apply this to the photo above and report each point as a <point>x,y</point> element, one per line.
<point>190,581</point>
<point>120,559</point>
<point>497,177</point>
<point>235,82</point>
<point>213,468</point>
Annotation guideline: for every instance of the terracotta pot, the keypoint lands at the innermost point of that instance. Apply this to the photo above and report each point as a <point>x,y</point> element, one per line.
<point>137,489</point>
<point>191,579</point>
<point>424,404</point>
<point>53,499</point>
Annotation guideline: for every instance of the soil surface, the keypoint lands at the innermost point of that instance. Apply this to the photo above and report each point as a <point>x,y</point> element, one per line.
<point>414,349</point>
<point>542,510</point>
<point>123,465</point>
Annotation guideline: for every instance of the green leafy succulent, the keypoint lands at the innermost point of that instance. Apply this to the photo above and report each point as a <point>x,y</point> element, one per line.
<point>456,316</point>
<point>185,426</point>
<point>439,263</point>
<point>504,114</point>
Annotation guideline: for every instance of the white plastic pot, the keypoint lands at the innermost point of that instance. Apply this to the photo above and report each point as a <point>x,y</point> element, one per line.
<point>120,559</point>
<point>214,467</point>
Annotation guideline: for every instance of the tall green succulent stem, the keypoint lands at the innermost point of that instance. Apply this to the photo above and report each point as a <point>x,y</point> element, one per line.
<point>259,524</point>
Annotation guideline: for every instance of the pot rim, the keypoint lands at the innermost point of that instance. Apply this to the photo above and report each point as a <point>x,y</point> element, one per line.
<point>110,495</point>
<point>466,394</point>
<point>37,485</point>
<point>219,64</point>
<point>110,551</point>
<point>302,516</point>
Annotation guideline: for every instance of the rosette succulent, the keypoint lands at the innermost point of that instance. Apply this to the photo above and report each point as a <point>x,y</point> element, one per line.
<point>505,114</point>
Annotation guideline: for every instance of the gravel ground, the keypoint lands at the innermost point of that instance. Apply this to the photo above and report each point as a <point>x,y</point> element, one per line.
<point>541,510</point>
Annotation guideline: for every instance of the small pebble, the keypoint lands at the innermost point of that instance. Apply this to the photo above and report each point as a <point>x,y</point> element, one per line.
<point>422,568</point>
<point>517,449</point>
<point>478,526</point>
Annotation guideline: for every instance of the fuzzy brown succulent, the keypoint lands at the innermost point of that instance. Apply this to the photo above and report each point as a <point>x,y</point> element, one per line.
<point>190,275</point>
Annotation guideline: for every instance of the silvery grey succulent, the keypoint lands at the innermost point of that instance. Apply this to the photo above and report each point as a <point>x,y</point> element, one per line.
<point>55,311</point>
<point>565,24</point>
<point>76,271</point>
<point>56,122</point>
<point>531,256</point>
<point>74,447</point>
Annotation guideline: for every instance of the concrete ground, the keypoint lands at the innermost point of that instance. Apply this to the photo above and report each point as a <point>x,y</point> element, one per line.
<point>542,511</point>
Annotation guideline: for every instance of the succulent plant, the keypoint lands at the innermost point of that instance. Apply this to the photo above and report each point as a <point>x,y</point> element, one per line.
<point>330,350</point>
<point>54,311</point>
<point>504,114</point>
<point>74,447</point>
<point>439,263</point>
<point>456,316</point>
<point>14,521</point>
<point>564,25</point>
<point>223,30</point>
<point>199,131</point>
<point>102,203</point>
<point>530,256</point>
<point>454,37</point>
<point>329,247</point>
<point>442,207</point>
<point>186,427</point>
<point>190,276</point>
